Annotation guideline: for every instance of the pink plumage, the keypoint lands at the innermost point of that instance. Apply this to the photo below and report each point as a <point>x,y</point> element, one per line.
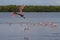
<point>21,8</point>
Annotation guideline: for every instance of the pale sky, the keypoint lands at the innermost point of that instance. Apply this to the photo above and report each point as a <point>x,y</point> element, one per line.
<point>30,2</point>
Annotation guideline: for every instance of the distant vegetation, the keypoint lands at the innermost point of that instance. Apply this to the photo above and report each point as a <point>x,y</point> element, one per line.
<point>11,8</point>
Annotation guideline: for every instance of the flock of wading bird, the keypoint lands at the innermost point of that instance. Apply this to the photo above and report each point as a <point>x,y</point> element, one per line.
<point>42,24</point>
<point>51,24</point>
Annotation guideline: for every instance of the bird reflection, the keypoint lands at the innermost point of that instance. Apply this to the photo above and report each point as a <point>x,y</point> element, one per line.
<point>26,38</point>
<point>26,29</point>
<point>10,24</point>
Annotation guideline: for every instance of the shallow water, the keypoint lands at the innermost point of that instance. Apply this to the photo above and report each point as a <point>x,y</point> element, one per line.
<point>17,28</point>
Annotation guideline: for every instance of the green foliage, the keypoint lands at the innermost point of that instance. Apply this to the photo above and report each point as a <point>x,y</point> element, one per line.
<point>11,8</point>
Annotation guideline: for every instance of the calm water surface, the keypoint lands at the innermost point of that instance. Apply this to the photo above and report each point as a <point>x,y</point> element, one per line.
<point>16,30</point>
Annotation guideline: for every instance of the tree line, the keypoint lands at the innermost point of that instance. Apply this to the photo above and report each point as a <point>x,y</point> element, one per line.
<point>11,8</point>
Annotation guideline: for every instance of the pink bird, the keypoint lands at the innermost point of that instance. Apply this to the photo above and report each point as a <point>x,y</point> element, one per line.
<point>21,13</point>
<point>50,23</point>
<point>54,25</point>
